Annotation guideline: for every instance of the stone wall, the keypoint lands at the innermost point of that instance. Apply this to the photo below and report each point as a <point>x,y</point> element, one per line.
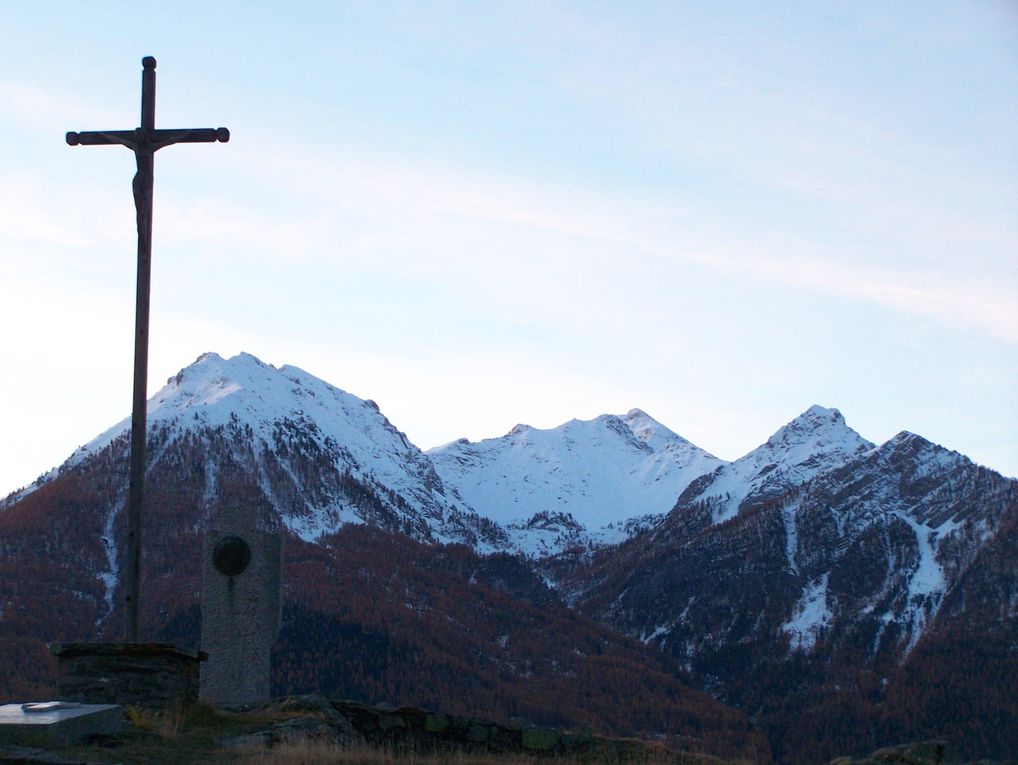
<point>148,675</point>
<point>409,730</point>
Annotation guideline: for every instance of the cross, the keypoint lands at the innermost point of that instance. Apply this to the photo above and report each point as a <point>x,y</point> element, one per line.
<point>144,141</point>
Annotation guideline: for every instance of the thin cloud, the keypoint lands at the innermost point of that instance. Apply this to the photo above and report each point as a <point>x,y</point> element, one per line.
<point>44,110</point>
<point>430,203</point>
<point>398,208</point>
<point>989,308</point>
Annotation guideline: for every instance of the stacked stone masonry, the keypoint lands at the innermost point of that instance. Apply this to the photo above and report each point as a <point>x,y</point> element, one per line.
<point>148,675</point>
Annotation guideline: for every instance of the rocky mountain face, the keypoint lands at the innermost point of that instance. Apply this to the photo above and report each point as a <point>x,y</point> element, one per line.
<point>830,588</point>
<point>825,592</point>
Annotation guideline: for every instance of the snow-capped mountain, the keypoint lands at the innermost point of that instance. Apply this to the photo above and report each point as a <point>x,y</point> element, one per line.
<point>927,509</point>
<point>815,441</point>
<point>839,585</point>
<point>883,542</point>
<point>314,458</point>
<point>317,456</point>
<point>810,582</point>
<point>582,481</point>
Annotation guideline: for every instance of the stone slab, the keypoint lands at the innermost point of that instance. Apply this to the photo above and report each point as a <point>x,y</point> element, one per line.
<point>57,724</point>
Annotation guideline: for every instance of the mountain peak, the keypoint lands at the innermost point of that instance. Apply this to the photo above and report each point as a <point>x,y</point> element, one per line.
<point>822,411</point>
<point>818,428</point>
<point>208,356</point>
<point>318,455</point>
<point>211,363</point>
<point>925,456</point>
<point>815,441</point>
<point>214,391</point>
<point>603,471</point>
<point>907,437</point>
<point>815,416</point>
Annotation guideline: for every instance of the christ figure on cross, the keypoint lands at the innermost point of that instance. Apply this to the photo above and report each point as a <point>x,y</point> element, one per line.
<point>144,141</point>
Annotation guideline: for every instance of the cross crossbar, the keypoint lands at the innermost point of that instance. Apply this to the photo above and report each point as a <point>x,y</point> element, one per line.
<point>151,139</point>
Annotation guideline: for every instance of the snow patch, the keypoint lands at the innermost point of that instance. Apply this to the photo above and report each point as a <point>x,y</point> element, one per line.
<point>811,615</point>
<point>112,573</point>
<point>791,537</point>
<point>657,632</point>
<point>926,585</point>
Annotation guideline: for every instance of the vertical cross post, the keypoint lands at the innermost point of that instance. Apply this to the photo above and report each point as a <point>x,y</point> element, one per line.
<point>144,141</point>
<point>143,188</point>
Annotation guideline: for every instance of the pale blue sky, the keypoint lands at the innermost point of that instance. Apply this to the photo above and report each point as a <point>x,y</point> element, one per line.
<point>480,214</point>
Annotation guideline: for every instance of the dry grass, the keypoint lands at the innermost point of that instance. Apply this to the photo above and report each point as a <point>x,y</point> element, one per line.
<point>320,753</point>
<point>197,735</point>
<point>186,735</point>
<point>165,724</point>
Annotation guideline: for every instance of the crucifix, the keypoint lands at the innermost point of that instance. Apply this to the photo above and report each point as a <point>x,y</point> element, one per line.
<point>144,141</point>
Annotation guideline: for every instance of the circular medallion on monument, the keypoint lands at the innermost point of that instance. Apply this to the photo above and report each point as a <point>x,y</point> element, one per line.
<point>231,555</point>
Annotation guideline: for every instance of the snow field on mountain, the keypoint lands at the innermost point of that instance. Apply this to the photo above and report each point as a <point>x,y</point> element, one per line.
<point>286,403</point>
<point>601,472</point>
<point>589,483</point>
<point>810,616</point>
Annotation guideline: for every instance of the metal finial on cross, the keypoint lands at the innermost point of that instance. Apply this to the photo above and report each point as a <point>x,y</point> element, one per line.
<point>144,141</point>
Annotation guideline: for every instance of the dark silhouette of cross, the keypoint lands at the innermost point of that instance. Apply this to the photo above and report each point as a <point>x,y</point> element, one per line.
<point>144,141</point>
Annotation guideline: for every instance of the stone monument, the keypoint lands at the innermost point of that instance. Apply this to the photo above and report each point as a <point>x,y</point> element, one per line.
<point>240,608</point>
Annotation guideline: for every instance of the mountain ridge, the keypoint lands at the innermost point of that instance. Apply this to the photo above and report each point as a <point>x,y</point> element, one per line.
<point>532,491</point>
<point>821,582</point>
